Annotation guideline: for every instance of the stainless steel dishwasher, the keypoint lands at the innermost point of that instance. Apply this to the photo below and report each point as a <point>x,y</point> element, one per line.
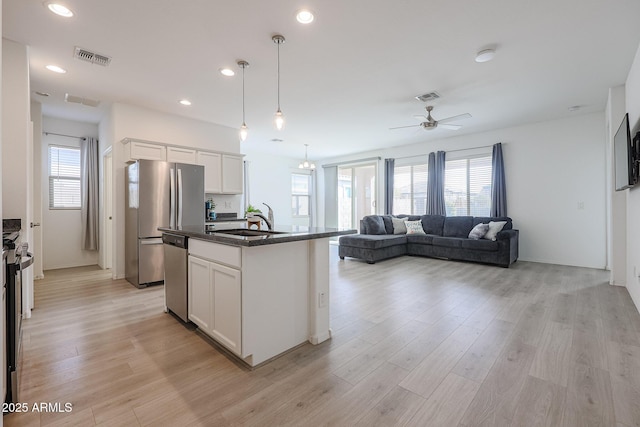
<point>176,274</point>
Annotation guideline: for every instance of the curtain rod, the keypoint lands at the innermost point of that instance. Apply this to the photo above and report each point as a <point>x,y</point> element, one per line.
<point>351,162</point>
<point>450,151</point>
<point>67,136</point>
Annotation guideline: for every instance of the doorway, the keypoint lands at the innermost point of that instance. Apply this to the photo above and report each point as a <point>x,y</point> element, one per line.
<point>356,194</point>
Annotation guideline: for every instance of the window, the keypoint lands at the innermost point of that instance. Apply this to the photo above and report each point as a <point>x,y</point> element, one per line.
<point>467,186</point>
<point>300,185</point>
<point>64,177</point>
<point>410,189</point>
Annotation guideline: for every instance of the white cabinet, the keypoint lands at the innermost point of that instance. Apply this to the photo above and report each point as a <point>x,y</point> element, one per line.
<point>135,150</point>
<point>231,174</point>
<point>199,293</point>
<point>215,300</point>
<point>212,163</point>
<point>181,155</point>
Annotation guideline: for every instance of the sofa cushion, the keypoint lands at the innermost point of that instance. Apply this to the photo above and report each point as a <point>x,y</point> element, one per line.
<point>424,239</point>
<point>486,219</point>
<point>388,224</point>
<point>414,227</point>
<point>432,224</point>
<point>370,241</point>
<point>374,224</point>
<point>479,231</point>
<point>457,226</point>
<point>448,242</point>
<point>398,226</point>
<point>480,245</point>
<point>494,228</point>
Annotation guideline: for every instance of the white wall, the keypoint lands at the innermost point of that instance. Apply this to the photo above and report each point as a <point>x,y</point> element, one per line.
<point>15,130</point>
<point>632,97</point>
<point>551,168</point>
<point>126,121</point>
<point>270,183</point>
<point>61,228</point>
<point>36,119</point>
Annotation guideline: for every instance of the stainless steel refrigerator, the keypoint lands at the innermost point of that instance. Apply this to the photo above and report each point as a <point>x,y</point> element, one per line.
<point>158,194</point>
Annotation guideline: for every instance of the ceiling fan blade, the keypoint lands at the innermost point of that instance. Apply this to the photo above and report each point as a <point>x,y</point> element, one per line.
<point>420,116</point>
<point>454,118</point>
<point>449,126</point>
<point>401,127</point>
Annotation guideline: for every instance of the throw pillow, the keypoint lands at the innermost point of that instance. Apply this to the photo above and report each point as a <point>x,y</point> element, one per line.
<point>479,231</point>
<point>494,228</point>
<point>414,227</point>
<point>398,226</point>
<point>374,224</point>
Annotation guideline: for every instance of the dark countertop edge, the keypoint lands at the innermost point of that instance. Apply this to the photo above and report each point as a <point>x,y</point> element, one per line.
<point>258,240</point>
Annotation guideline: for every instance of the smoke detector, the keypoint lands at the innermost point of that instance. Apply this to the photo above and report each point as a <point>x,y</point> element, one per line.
<point>80,100</point>
<point>94,58</point>
<point>427,97</point>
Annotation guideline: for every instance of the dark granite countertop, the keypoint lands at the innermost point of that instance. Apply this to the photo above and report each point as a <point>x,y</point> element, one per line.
<point>284,234</point>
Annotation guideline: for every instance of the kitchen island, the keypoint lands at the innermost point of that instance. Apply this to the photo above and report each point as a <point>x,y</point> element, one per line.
<point>259,293</point>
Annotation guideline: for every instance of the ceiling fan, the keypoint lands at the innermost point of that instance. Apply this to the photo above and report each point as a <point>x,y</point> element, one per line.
<point>430,123</point>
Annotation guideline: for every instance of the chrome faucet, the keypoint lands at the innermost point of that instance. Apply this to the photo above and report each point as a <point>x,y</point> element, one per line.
<point>269,223</point>
<point>270,214</point>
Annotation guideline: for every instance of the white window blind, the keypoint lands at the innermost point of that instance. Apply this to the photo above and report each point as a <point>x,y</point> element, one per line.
<point>410,189</point>
<point>64,177</point>
<point>300,191</point>
<point>467,186</point>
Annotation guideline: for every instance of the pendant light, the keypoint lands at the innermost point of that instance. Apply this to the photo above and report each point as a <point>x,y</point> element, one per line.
<point>244,130</point>
<point>306,164</point>
<point>278,117</point>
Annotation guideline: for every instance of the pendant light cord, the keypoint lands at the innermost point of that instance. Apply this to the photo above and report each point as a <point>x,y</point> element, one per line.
<point>278,43</point>
<point>243,67</point>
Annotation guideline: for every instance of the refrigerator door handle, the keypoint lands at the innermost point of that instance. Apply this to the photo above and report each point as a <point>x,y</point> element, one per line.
<point>179,197</point>
<point>172,197</point>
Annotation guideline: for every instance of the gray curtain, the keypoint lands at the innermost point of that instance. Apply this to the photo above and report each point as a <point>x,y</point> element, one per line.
<point>331,197</point>
<point>498,184</point>
<point>89,187</point>
<point>388,185</point>
<point>435,184</point>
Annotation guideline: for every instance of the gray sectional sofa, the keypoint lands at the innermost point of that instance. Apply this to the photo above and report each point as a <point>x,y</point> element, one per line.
<point>445,237</point>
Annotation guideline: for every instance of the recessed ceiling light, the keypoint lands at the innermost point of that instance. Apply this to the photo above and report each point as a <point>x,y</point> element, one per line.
<point>56,69</point>
<point>485,55</point>
<point>59,9</point>
<point>41,93</point>
<point>227,72</point>
<point>185,102</point>
<point>304,16</point>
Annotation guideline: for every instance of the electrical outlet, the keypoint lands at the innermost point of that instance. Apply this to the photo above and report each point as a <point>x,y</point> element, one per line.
<point>227,204</point>
<point>322,300</point>
<point>580,205</point>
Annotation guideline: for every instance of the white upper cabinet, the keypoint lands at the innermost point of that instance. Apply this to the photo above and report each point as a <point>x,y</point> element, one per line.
<point>135,150</point>
<point>212,163</point>
<point>223,173</point>
<point>181,155</point>
<point>231,174</point>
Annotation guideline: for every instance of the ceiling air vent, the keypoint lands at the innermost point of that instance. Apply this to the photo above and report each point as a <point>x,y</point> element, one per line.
<point>427,97</point>
<point>80,100</point>
<point>94,58</point>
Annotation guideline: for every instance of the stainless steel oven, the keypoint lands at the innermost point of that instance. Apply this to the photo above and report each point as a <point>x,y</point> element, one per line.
<point>18,259</point>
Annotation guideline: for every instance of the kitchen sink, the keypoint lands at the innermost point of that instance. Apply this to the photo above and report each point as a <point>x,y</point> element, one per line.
<point>245,232</point>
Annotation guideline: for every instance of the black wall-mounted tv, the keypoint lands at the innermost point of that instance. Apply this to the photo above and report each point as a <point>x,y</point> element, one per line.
<point>625,157</point>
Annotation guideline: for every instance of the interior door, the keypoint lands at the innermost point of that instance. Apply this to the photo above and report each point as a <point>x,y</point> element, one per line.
<point>356,194</point>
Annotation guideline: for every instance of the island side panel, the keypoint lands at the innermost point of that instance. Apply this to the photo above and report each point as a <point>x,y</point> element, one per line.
<point>275,299</point>
<point>319,327</point>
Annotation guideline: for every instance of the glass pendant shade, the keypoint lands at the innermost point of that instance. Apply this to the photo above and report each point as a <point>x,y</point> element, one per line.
<point>244,132</point>
<point>278,120</point>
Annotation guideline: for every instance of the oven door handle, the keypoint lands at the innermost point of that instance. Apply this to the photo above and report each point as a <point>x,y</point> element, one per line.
<point>26,263</point>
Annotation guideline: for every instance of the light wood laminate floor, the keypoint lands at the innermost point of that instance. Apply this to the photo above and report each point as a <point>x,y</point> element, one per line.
<point>416,341</point>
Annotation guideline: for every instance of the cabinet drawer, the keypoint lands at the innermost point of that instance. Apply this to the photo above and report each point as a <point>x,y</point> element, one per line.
<point>223,254</point>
